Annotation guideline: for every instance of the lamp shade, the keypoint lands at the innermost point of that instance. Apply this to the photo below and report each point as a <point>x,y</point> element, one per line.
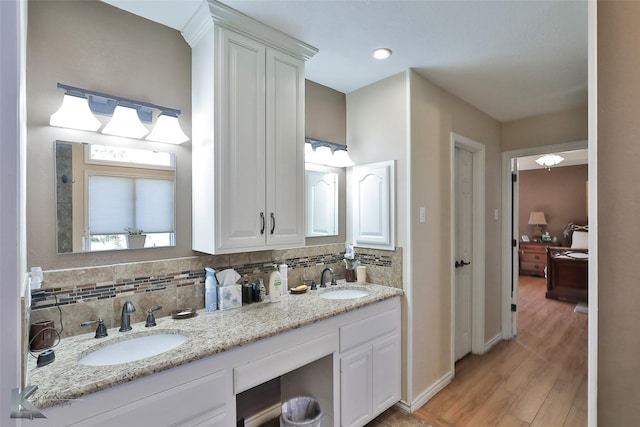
<point>125,122</point>
<point>74,113</point>
<point>537,218</point>
<point>168,130</point>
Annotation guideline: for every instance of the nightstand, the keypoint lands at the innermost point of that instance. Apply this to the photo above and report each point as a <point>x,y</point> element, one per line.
<point>533,258</point>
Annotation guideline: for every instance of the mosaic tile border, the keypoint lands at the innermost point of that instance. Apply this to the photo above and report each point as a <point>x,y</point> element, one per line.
<point>104,290</point>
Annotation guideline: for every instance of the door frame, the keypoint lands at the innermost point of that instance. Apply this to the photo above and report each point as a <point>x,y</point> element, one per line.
<point>478,260</point>
<point>507,225</point>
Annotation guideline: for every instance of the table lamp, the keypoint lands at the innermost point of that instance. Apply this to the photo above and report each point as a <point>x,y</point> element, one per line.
<point>537,219</point>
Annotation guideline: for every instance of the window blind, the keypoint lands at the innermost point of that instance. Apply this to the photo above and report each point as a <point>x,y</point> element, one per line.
<point>117,203</point>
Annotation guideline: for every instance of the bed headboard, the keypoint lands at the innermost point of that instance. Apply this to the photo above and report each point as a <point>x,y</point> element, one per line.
<point>567,232</point>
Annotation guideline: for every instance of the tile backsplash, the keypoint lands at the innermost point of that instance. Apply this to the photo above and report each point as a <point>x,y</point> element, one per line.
<point>77,295</point>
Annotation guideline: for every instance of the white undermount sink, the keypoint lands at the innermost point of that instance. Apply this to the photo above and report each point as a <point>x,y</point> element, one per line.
<point>344,294</point>
<point>135,348</point>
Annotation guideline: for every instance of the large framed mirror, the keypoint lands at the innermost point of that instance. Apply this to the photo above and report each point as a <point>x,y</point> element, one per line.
<point>322,200</point>
<point>113,198</point>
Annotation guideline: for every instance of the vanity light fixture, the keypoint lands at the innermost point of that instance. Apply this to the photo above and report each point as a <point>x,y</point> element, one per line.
<point>80,106</point>
<point>326,153</point>
<point>549,160</point>
<point>381,53</point>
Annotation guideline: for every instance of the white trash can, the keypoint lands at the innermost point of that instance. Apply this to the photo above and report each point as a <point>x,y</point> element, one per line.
<point>301,411</point>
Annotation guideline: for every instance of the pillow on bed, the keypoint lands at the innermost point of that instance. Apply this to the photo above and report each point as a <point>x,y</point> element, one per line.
<point>580,240</point>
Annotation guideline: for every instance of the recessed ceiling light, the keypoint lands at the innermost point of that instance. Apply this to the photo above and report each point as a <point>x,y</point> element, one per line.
<point>382,53</point>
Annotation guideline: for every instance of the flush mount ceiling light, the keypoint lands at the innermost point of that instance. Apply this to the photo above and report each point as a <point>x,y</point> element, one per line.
<point>549,160</point>
<point>80,105</point>
<point>381,53</point>
<point>326,153</point>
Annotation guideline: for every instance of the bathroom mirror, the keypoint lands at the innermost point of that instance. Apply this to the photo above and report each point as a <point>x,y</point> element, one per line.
<point>113,198</point>
<point>322,204</point>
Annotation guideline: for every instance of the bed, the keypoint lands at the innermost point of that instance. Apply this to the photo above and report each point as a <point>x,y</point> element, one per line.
<point>567,266</point>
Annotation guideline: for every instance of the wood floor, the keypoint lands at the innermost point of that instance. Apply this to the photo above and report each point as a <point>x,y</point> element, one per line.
<point>537,379</point>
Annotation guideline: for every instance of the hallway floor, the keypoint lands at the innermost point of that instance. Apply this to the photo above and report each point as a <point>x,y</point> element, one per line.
<point>537,379</point>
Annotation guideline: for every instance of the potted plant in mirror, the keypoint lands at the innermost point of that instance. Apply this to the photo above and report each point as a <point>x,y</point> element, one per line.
<point>135,238</point>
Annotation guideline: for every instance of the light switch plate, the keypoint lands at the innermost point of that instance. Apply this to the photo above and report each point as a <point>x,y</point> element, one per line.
<point>423,214</point>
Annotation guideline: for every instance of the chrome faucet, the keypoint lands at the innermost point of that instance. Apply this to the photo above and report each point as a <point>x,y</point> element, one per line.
<point>125,320</point>
<point>323,284</point>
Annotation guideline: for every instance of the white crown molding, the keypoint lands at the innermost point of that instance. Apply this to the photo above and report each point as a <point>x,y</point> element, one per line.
<point>197,26</point>
<point>213,12</point>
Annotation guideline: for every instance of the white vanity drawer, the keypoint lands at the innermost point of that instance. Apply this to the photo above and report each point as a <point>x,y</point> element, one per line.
<point>279,363</point>
<point>368,329</point>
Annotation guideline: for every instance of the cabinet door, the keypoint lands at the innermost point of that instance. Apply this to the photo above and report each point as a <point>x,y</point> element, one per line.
<point>355,387</point>
<point>322,203</point>
<point>284,149</point>
<point>374,205</point>
<point>386,373</point>
<point>240,176</point>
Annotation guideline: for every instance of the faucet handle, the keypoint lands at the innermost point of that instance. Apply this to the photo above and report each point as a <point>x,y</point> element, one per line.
<point>101,330</point>
<point>151,320</point>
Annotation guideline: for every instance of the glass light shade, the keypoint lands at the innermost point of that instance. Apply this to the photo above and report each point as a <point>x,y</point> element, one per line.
<point>323,155</point>
<point>74,113</point>
<point>309,155</point>
<point>168,130</point>
<point>125,122</point>
<point>341,159</point>
<point>549,160</point>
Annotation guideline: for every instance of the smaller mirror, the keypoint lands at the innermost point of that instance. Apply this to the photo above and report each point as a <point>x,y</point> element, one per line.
<point>113,198</point>
<point>322,201</point>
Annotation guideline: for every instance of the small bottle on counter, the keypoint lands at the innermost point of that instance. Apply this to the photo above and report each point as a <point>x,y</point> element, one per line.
<point>283,278</point>
<point>263,290</point>
<point>210,291</point>
<point>275,285</point>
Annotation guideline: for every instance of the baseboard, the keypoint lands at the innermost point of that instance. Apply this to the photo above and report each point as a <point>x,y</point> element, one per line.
<point>492,342</point>
<point>263,416</point>
<point>431,391</point>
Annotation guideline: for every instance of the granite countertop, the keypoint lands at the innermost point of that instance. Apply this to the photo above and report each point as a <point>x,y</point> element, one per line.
<point>216,332</point>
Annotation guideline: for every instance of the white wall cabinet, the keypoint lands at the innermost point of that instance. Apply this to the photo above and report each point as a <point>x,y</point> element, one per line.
<point>369,367</point>
<point>247,136</point>
<point>373,208</point>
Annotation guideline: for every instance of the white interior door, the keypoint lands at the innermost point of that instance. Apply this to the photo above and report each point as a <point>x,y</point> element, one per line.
<point>463,187</point>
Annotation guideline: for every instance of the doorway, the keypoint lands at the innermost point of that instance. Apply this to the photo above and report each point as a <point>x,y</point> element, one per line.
<point>467,307</point>
<point>511,236</point>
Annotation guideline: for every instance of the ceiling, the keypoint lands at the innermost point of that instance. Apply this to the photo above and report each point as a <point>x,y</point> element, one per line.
<point>510,59</point>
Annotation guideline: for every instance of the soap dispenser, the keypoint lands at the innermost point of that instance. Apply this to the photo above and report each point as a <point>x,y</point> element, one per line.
<point>275,285</point>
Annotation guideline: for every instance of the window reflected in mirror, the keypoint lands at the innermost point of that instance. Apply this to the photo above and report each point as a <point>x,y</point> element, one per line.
<point>113,198</point>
